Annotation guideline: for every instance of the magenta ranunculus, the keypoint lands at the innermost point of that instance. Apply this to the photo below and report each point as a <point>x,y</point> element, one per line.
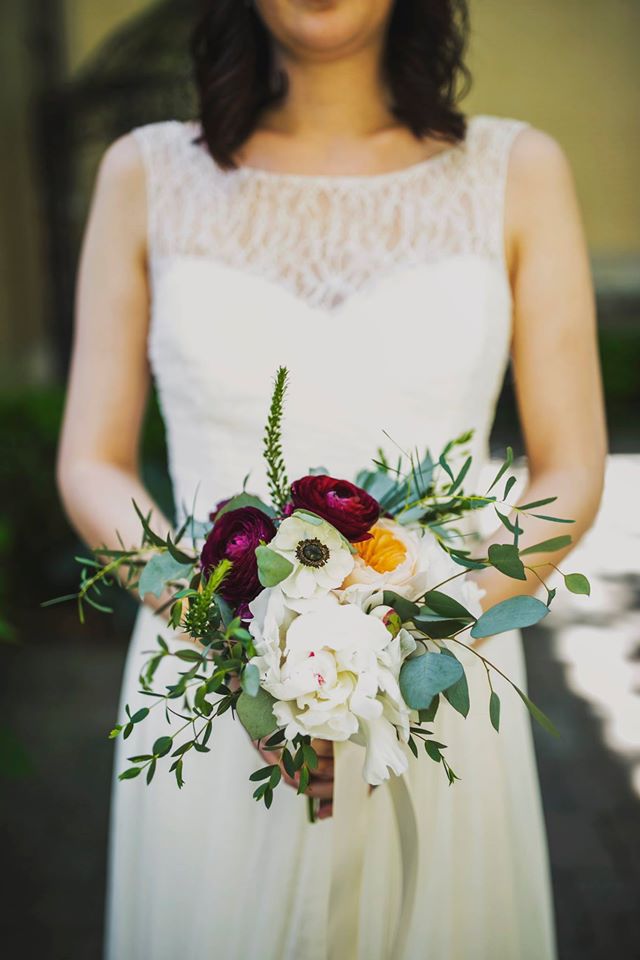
<point>235,536</point>
<point>350,509</point>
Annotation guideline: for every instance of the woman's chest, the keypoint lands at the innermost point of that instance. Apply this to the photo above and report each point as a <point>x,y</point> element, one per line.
<point>419,327</point>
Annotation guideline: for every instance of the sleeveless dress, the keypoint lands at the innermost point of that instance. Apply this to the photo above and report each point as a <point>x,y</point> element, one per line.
<point>388,299</point>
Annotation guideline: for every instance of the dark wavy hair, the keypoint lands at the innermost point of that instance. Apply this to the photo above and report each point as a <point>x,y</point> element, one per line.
<point>234,71</point>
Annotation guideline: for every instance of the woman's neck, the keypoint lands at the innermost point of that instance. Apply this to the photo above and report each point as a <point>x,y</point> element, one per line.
<point>329,100</point>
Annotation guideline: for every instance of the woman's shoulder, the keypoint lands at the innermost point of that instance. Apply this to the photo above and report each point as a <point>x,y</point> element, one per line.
<point>528,146</point>
<point>164,137</point>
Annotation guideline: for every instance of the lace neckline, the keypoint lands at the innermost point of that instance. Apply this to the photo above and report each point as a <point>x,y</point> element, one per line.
<point>249,173</point>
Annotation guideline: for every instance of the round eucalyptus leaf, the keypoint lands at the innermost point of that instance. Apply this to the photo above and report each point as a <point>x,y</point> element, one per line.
<point>256,714</point>
<point>422,677</point>
<point>577,583</point>
<point>512,614</point>
<point>273,568</point>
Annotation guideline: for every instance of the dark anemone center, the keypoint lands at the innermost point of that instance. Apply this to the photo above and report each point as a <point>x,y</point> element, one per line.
<point>312,553</point>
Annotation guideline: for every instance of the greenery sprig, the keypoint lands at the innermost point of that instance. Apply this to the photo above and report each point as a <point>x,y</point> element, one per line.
<point>276,470</point>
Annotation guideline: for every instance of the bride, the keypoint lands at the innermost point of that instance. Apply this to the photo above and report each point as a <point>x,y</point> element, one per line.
<point>332,210</point>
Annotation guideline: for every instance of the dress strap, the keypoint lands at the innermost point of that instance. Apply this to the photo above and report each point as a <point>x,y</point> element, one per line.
<point>488,148</point>
<point>167,153</point>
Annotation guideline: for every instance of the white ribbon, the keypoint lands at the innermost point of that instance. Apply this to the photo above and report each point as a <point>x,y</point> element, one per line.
<point>351,813</point>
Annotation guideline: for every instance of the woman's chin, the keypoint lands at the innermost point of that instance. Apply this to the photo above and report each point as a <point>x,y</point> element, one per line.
<point>326,28</point>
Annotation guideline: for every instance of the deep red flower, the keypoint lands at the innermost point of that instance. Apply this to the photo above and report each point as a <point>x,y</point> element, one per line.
<point>235,536</point>
<point>349,508</point>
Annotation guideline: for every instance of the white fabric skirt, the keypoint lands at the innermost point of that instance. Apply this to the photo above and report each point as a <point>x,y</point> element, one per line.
<point>206,872</point>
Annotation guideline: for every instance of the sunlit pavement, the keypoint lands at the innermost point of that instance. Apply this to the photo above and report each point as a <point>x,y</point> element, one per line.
<point>583,671</point>
<point>597,640</point>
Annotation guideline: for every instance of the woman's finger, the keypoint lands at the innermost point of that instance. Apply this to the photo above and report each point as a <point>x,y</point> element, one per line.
<point>320,788</point>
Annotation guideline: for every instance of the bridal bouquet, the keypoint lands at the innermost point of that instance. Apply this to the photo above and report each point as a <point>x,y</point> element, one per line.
<point>334,612</point>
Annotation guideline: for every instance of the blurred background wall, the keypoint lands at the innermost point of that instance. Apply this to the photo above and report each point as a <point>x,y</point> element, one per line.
<point>76,74</point>
<point>569,68</point>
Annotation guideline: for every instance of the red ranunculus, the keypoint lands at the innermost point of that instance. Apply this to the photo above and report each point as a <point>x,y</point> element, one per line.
<point>235,536</point>
<point>350,509</point>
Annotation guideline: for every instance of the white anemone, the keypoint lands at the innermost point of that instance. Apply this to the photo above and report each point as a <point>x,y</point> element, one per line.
<point>320,556</point>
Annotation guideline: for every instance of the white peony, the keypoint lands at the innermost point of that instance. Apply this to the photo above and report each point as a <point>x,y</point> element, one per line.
<point>336,678</point>
<point>320,556</point>
<point>389,558</point>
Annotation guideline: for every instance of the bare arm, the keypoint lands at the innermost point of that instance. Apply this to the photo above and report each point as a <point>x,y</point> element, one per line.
<point>98,458</point>
<point>554,353</point>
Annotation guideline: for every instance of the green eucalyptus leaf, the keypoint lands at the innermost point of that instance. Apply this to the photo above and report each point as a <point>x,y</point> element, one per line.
<point>159,570</point>
<point>308,516</point>
<point>140,714</point>
<point>511,614</point>
<point>178,555</point>
<point>429,713</point>
<point>494,710</point>
<point>537,713</point>
<point>466,562</point>
<point>458,694</point>
<point>505,558</point>
<point>256,713</point>
<point>198,529</point>
<point>245,500</point>
<point>275,778</point>
<point>461,475</point>
<point>479,502</point>
<point>226,610</point>
<point>511,527</point>
<point>273,568</point>
<point>548,546</point>
<point>288,764</point>
<point>162,746</point>
<point>411,514</point>
<point>441,628</point>
<point>262,774</point>
<point>433,750</point>
<point>503,469</point>
<point>446,606</point>
<point>542,516</point>
<point>508,486</point>
<point>310,756</point>
<point>130,773</point>
<point>152,537</point>
<point>442,460</point>
<point>422,677</point>
<point>427,615</point>
<point>251,680</point>
<point>577,583</point>
<point>536,503</point>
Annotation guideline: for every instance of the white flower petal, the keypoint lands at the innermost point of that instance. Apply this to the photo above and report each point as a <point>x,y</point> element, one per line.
<point>384,751</point>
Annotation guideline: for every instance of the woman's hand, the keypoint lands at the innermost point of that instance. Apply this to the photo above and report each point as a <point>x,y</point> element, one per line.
<point>321,780</point>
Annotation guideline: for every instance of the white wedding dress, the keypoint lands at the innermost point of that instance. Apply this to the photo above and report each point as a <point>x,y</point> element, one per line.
<point>388,299</point>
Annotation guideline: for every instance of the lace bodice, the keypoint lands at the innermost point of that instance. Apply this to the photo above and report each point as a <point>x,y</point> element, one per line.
<point>386,295</point>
